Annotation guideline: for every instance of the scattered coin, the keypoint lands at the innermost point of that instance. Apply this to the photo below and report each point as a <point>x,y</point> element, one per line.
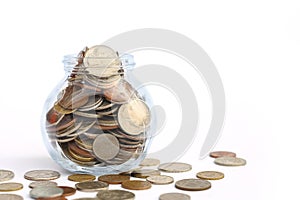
<point>175,167</point>
<point>45,192</point>
<point>113,178</point>
<point>53,198</point>
<point>144,173</point>
<point>230,161</point>
<point>160,179</point>
<point>217,154</point>
<point>193,184</point>
<point>115,195</point>
<point>174,196</point>
<point>91,186</point>
<point>210,175</point>
<point>10,186</point>
<point>41,175</point>
<point>68,191</point>
<point>42,184</point>
<point>10,197</point>
<point>136,185</point>
<point>81,177</point>
<point>106,147</point>
<point>6,175</point>
<point>148,162</point>
<point>86,198</point>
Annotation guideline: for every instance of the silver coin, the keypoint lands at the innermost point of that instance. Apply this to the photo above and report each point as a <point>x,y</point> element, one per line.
<point>10,197</point>
<point>86,198</point>
<point>106,147</point>
<point>193,184</point>
<point>41,175</point>
<point>230,161</point>
<point>6,175</point>
<point>175,167</point>
<point>91,186</point>
<point>115,195</point>
<point>42,184</point>
<point>10,186</point>
<point>46,192</point>
<point>134,117</point>
<point>160,179</point>
<point>173,196</point>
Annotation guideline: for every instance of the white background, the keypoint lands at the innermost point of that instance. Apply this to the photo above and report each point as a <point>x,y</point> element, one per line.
<point>255,46</point>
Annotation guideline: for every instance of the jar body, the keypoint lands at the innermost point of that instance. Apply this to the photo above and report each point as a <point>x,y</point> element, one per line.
<point>96,124</point>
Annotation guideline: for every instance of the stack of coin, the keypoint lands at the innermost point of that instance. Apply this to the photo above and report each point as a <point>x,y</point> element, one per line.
<point>98,118</point>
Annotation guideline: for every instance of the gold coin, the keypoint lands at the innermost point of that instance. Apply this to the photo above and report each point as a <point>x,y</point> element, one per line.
<point>193,184</point>
<point>115,195</point>
<point>174,196</point>
<point>175,167</point>
<point>113,178</point>
<point>91,186</point>
<point>160,179</point>
<point>136,185</point>
<point>210,175</point>
<point>230,161</point>
<point>147,162</point>
<point>10,186</point>
<point>144,173</point>
<point>81,177</point>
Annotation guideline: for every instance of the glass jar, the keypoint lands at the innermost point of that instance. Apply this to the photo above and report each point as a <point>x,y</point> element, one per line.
<point>95,121</point>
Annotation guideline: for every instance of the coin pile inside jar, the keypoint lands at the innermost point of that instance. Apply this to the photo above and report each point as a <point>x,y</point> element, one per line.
<point>98,118</point>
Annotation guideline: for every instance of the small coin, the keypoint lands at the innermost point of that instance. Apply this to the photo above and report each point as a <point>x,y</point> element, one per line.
<point>193,184</point>
<point>10,197</point>
<point>210,175</point>
<point>53,198</point>
<point>175,167</point>
<point>81,177</point>
<point>113,178</point>
<point>173,196</point>
<point>10,186</point>
<point>68,191</point>
<point>106,147</point>
<point>45,192</point>
<point>148,162</point>
<point>41,175</point>
<point>87,198</point>
<point>230,161</point>
<point>42,184</point>
<point>160,179</point>
<point>144,173</point>
<point>217,154</point>
<point>115,195</point>
<point>91,186</point>
<point>6,175</point>
<point>136,185</point>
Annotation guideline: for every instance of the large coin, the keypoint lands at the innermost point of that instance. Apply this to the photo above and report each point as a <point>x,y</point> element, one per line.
<point>136,185</point>
<point>160,179</point>
<point>42,184</point>
<point>113,178</point>
<point>81,177</point>
<point>10,197</point>
<point>175,167</point>
<point>230,161</point>
<point>91,186</point>
<point>147,162</point>
<point>210,175</point>
<point>11,186</point>
<point>6,175</point>
<point>174,196</point>
<point>192,184</point>
<point>45,192</point>
<point>41,175</point>
<point>217,154</point>
<point>106,147</point>
<point>115,195</point>
<point>134,117</point>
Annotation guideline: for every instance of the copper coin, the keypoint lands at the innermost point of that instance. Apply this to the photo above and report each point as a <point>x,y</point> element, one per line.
<point>91,186</point>
<point>217,154</point>
<point>160,179</point>
<point>53,198</point>
<point>210,175</point>
<point>81,177</point>
<point>74,148</point>
<point>144,173</point>
<point>106,147</point>
<point>136,185</point>
<point>193,184</point>
<point>230,161</point>
<point>120,93</point>
<point>68,191</point>
<point>175,167</point>
<point>174,196</point>
<point>113,178</point>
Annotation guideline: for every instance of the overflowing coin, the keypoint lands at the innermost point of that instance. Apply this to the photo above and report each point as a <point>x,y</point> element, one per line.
<point>175,167</point>
<point>6,175</point>
<point>45,192</point>
<point>136,185</point>
<point>160,179</point>
<point>41,175</point>
<point>91,186</point>
<point>230,161</point>
<point>217,154</point>
<point>173,196</point>
<point>210,175</point>
<point>10,197</point>
<point>115,195</point>
<point>10,186</point>
<point>192,184</point>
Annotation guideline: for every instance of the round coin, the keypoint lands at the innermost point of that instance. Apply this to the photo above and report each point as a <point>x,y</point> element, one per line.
<point>230,161</point>
<point>160,179</point>
<point>174,195</point>
<point>144,173</point>
<point>136,185</point>
<point>175,167</point>
<point>10,186</point>
<point>10,197</point>
<point>217,154</point>
<point>42,184</point>
<point>68,191</point>
<point>45,192</point>
<point>81,177</point>
<point>87,198</point>
<point>106,147</point>
<point>115,195</point>
<point>91,186</point>
<point>193,184</point>
<point>149,162</point>
<point>113,178</point>
<point>53,198</point>
<point>210,175</point>
<point>41,175</point>
<point>6,175</point>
